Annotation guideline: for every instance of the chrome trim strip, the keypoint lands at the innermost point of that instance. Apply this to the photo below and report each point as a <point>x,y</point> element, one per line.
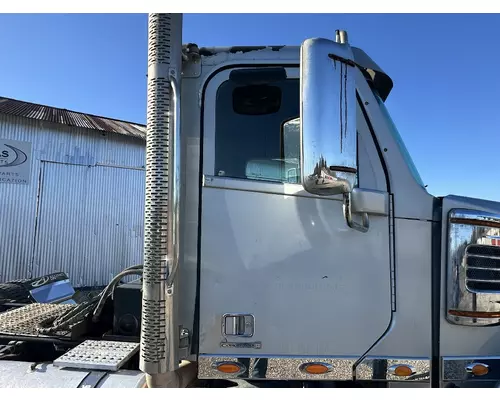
<point>485,268</point>
<point>392,253</point>
<point>288,368</point>
<point>481,256</point>
<point>248,185</point>
<point>457,368</point>
<point>469,229</point>
<point>474,217</point>
<point>483,280</point>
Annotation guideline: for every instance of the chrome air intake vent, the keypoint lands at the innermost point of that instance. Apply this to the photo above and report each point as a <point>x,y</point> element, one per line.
<point>482,265</point>
<point>473,268</point>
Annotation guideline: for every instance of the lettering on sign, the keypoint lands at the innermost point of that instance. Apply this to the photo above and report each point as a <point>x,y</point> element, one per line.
<point>37,282</point>
<point>15,162</point>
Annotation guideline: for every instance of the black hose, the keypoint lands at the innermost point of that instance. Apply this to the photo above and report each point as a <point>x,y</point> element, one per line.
<point>64,321</point>
<point>22,338</point>
<point>110,289</point>
<point>137,266</point>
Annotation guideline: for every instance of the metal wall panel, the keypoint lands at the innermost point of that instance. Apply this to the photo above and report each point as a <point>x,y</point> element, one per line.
<point>56,143</point>
<point>92,226</point>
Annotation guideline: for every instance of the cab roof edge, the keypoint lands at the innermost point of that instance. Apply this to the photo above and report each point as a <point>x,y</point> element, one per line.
<point>381,81</point>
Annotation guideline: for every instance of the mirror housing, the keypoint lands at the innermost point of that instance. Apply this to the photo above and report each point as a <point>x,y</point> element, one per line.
<point>328,135</point>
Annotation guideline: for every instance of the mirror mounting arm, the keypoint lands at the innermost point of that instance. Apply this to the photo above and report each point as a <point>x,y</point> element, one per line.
<point>364,226</point>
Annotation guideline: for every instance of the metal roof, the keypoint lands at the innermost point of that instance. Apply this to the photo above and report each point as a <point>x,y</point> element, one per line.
<point>71,118</point>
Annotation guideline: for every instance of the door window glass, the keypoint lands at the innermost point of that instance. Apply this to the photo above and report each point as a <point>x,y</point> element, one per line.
<point>249,143</point>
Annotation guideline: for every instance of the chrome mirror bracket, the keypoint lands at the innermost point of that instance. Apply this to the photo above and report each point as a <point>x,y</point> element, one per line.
<point>364,226</point>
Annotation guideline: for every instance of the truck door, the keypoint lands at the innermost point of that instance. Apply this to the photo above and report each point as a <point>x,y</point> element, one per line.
<point>281,274</point>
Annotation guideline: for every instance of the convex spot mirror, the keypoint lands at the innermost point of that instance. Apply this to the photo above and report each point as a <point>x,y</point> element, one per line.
<point>327,117</point>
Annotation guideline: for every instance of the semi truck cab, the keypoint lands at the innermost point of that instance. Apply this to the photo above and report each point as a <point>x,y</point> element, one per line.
<point>350,279</point>
<point>289,235</point>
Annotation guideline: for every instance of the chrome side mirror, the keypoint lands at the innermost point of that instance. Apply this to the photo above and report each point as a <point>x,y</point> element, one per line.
<point>328,135</point>
<point>327,117</point>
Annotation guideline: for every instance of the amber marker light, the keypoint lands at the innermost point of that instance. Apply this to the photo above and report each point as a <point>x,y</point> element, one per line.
<point>315,368</point>
<point>229,367</point>
<point>401,370</point>
<point>477,369</point>
<point>475,314</point>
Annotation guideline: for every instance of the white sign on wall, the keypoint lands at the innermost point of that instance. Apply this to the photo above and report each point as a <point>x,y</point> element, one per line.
<point>15,162</point>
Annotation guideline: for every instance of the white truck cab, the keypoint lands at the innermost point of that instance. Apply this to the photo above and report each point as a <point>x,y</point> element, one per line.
<point>289,236</point>
<point>283,274</point>
<point>282,261</point>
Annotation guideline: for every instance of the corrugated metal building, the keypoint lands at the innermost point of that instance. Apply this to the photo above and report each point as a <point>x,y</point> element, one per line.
<point>71,193</point>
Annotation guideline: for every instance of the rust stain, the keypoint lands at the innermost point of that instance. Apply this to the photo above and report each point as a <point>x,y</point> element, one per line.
<point>71,118</point>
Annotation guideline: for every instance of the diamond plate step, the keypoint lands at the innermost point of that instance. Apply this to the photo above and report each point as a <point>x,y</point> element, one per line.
<point>98,354</point>
<point>24,320</point>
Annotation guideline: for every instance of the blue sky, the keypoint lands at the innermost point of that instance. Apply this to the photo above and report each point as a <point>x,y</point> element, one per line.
<point>445,99</point>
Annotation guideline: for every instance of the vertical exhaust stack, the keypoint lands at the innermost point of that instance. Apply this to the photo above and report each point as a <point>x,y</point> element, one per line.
<point>160,331</point>
<point>341,36</point>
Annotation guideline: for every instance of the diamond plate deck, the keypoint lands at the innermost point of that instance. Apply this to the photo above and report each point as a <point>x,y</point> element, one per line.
<point>98,354</point>
<point>24,320</point>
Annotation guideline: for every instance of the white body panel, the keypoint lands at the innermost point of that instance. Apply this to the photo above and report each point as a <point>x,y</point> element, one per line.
<point>291,270</point>
<point>410,334</point>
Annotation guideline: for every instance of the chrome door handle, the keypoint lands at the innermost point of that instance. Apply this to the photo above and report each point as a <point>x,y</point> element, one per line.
<point>241,325</point>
